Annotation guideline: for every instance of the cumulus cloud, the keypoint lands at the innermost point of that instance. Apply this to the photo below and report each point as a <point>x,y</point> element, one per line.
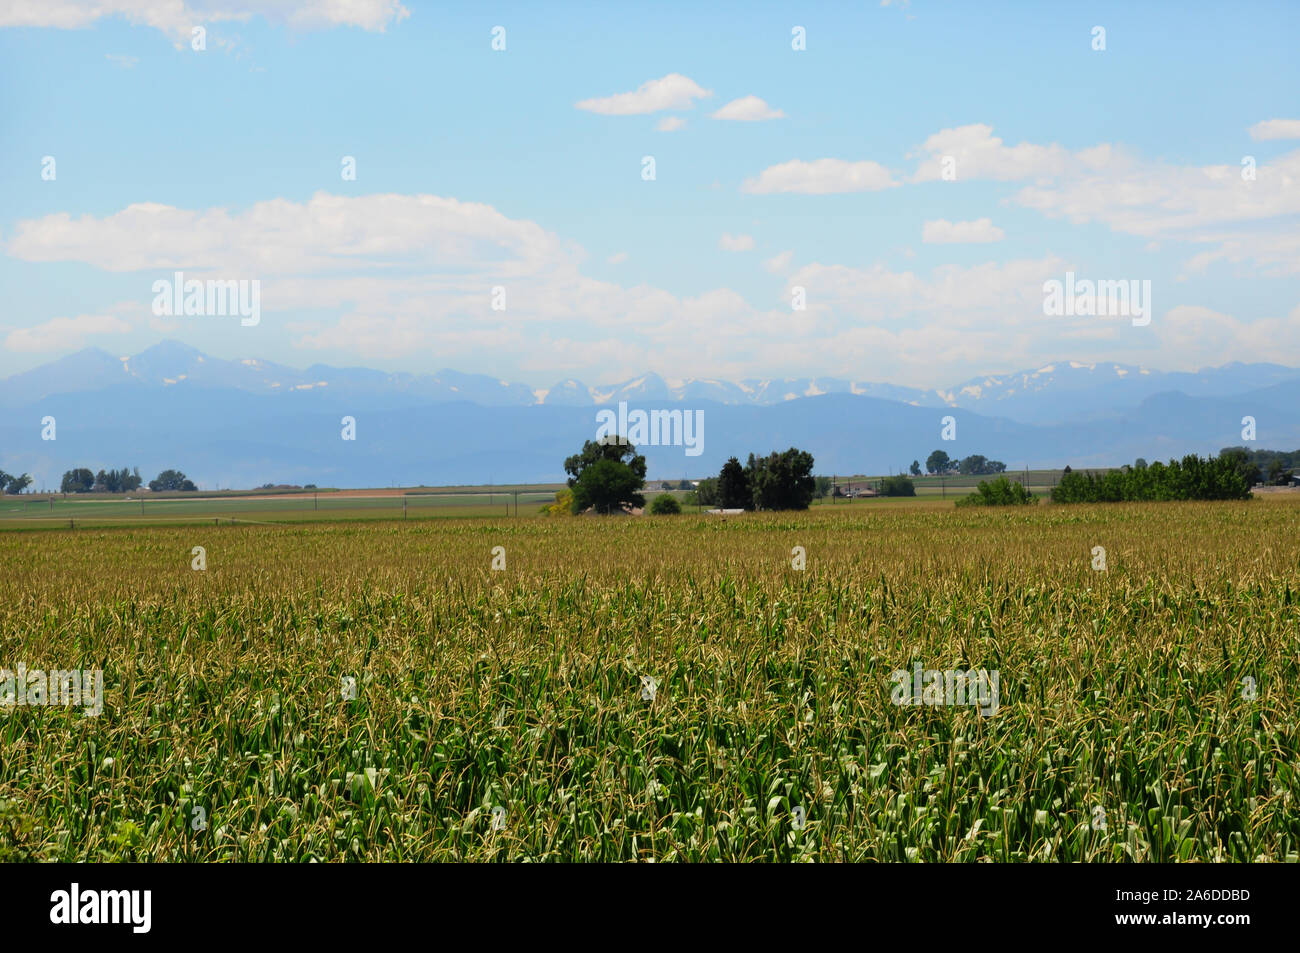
<point>1160,200</point>
<point>820,177</point>
<point>1276,129</point>
<point>61,334</point>
<point>943,232</point>
<point>176,18</point>
<point>962,294</point>
<point>748,109</point>
<point>673,91</point>
<point>327,234</point>
<point>779,263</point>
<point>1207,337</point>
<point>1151,199</point>
<point>670,124</point>
<point>736,243</point>
<point>1276,253</point>
<point>392,276</point>
<point>388,276</point>
<point>978,154</point>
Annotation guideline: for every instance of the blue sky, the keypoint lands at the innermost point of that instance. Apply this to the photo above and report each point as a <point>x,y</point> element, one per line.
<point>477,168</point>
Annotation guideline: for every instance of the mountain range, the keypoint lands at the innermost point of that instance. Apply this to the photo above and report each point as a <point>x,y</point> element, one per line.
<point>240,423</point>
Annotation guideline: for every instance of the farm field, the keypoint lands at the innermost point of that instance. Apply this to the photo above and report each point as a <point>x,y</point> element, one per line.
<point>282,506</point>
<point>662,688</point>
<point>953,486</point>
<point>103,510</point>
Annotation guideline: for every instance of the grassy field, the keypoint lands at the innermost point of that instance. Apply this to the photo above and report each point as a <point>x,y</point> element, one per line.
<point>663,688</point>
<point>103,510</point>
<point>285,506</point>
<point>954,485</point>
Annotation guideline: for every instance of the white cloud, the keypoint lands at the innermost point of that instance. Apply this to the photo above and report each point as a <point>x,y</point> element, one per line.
<point>126,62</point>
<point>779,263</point>
<point>1276,129</point>
<point>736,243</point>
<point>617,258</point>
<point>399,276</point>
<point>820,177</point>
<point>943,232</point>
<point>1276,253</point>
<point>338,235</point>
<point>978,154</point>
<point>748,109</point>
<point>176,18</point>
<point>391,276</point>
<point>955,293</point>
<point>1201,336</point>
<point>1150,199</point>
<point>1159,200</point>
<point>673,91</point>
<point>670,124</point>
<point>64,334</point>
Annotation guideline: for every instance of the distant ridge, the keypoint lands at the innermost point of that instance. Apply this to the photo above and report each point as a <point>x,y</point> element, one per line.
<point>1055,392</point>
<point>244,423</point>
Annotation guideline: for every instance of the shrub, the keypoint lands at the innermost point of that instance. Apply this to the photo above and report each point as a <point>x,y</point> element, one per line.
<point>563,505</point>
<point>1226,477</point>
<point>665,505</point>
<point>999,492</point>
<point>897,486</point>
<point>781,481</point>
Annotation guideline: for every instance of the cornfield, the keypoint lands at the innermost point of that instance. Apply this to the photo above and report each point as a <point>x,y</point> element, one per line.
<point>667,688</point>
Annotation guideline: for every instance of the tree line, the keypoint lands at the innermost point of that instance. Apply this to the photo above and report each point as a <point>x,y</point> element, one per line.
<point>14,484</point>
<point>607,476</point>
<point>778,481</point>
<point>976,464</point>
<point>1229,476</point>
<point>1274,467</point>
<point>82,480</point>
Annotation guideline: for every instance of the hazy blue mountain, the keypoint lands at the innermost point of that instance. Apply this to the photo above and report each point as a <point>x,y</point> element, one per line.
<point>225,437</point>
<point>1064,390</point>
<point>646,387</point>
<point>1069,390</point>
<point>568,393</point>
<point>792,388</point>
<point>245,423</point>
<point>88,370</point>
<point>716,391</point>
